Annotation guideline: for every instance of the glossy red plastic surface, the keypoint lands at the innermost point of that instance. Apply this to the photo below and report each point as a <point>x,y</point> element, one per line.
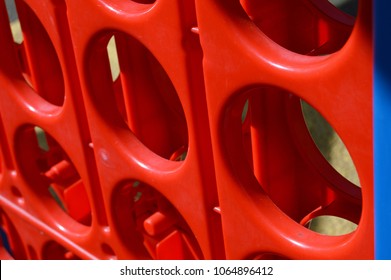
<point>271,178</point>
<point>198,149</point>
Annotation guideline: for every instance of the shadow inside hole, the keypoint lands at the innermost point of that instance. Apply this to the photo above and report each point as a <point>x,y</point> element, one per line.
<point>108,251</point>
<point>151,225</point>
<point>38,62</point>
<point>325,138</point>
<point>300,26</point>
<point>134,91</point>
<point>272,152</point>
<point>54,178</point>
<point>54,251</point>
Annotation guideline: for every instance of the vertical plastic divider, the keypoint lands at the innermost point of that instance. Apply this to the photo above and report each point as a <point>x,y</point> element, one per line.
<point>78,103</point>
<point>170,174</point>
<point>200,116</point>
<point>382,127</point>
<point>63,126</point>
<point>77,114</point>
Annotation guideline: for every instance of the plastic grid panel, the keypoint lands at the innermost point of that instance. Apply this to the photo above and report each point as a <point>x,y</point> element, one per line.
<point>269,177</point>
<point>160,158</point>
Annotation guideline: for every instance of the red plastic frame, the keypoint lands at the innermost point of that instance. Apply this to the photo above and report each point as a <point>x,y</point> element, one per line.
<point>166,161</point>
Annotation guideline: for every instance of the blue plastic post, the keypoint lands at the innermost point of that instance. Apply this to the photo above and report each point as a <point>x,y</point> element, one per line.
<point>382,128</point>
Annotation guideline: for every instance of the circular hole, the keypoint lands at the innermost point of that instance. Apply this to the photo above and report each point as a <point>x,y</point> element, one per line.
<point>329,144</point>
<point>51,174</point>
<point>273,158</point>
<point>331,225</point>
<point>133,91</point>
<point>54,251</point>
<point>150,224</point>
<point>107,250</point>
<point>37,56</point>
<point>304,27</point>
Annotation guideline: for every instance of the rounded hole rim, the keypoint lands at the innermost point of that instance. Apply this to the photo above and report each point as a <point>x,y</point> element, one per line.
<point>136,7</point>
<point>295,56</point>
